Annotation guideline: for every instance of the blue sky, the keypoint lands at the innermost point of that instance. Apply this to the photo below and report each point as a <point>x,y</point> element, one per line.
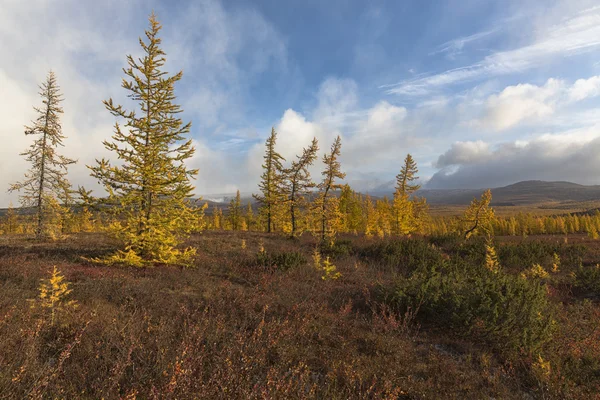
<point>483,93</point>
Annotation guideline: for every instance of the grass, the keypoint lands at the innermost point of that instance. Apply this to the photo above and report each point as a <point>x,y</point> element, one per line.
<point>241,326</point>
<point>538,209</point>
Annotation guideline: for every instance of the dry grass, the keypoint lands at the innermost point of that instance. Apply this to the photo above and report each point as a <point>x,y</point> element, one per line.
<point>541,209</point>
<point>232,329</point>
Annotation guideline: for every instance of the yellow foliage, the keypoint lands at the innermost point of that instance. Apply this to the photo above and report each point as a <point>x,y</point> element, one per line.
<point>330,270</point>
<point>53,293</point>
<point>555,263</point>
<point>491,258</point>
<point>316,259</point>
<point>479,216</point>
<point>150,186</point>
<point>542,368</point>
<point>536,271</point>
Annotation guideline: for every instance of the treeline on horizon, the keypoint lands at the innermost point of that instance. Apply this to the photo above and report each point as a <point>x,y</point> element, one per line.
<point>260,316</point>
<point>147,204</point>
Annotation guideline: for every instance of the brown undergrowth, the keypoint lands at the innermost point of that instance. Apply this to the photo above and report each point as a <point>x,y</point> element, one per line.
<point>233,327</point>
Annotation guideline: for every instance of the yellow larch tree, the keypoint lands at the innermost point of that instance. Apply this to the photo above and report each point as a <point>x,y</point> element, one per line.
<point>403,207</point>
<point>297,183</point>
<point>270,186</point>
<point>149,188</point>
<point>234,212</point>
<point>46,181</point>
<point>327,202</point>
<point>478,217</point>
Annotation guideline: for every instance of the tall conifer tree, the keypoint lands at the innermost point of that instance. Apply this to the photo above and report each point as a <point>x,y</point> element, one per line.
<point>151,184</point>
<point>406,177</point>
<point>298,182</point>
<point>234,212</point>
<point>403,207</point>
<point>479,216</point>
<point>271,181</point>
<point>249,216</point>
<point>46,181</point>
<point>332,171</point>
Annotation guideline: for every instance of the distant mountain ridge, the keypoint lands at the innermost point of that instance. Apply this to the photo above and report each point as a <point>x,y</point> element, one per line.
<point>517,194</point>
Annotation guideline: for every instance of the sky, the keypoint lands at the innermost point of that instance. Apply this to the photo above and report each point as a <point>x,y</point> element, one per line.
<point>482,93</point>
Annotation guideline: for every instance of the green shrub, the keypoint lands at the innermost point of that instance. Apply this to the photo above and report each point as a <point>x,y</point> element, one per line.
<point>525,254</point>
<point>588,278</point>
<point>473,250</point>
<point>448,241</point>
<point>280,261</point>
<point>339,248</point>
<point>509,312</point>
<point>402,255</point>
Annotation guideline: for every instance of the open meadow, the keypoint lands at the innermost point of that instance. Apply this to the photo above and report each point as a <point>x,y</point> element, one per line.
<point>338,200</point>
<point>409,318</point>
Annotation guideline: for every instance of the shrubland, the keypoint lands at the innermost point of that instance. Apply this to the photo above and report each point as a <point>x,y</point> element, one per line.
<point>316,291</point>
<point>407,318</point>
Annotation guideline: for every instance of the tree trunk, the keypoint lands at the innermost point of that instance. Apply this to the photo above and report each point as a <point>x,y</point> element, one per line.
<point>40,216</point>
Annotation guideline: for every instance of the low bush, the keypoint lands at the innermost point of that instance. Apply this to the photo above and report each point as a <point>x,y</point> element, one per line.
<point>587,278</point>
<point>527,253</point>
<point>509,312</point>
<point>280,261</point>
<point>448,241</point>
<point>338,249</point>
<point>402,255</point>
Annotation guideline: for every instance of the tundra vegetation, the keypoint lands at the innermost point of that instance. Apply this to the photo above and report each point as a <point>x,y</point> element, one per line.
<point>312,291</point>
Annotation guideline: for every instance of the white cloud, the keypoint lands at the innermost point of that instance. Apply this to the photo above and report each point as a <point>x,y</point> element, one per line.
<point>576,33</point>
<point>464,153</point>
<point>585,88</point>
<point>570,156</point>
<point>222,51</point>
<point>295,132</point>
<point>455,46</point>
<point>521,102</point>
<point>527,104</point>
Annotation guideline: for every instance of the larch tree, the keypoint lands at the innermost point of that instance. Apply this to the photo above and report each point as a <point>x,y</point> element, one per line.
<point>406,177</point>
<point>217,215</point>
<point>271,181</point>
<point>298,183</point>
<point>479,216</point>
<point>150,186</point>
<point>420,214</point>
<point>370,217</point>
<point>249,216</point>
<point>403,207</point>
<point>328,204</point>
<point>350,206</point>
<point>234,212</point>
<point>11,222</point>
<point>46,181</point>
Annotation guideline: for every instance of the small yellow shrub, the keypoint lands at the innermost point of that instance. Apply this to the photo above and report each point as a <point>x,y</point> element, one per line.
<point>491,258</point>
<point>53,294</point>
<point>536,271</point>
<point>330,271</point>
<point>555,263</point>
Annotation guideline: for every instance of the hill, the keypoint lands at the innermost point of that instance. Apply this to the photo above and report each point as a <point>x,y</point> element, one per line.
<point>562,195</point>
<point>517,194</point>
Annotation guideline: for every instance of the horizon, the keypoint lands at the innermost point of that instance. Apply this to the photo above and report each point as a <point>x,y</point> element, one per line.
<point>224,198</point>
<point>494,93</point>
